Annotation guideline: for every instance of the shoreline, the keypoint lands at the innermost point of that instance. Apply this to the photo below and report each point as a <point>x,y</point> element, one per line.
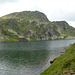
<point>61,64</point>
<point>37,40</point>
<point>61,53</point>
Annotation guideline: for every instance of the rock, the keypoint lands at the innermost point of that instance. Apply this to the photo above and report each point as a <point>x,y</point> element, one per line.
<point>72,72</point>
<point>52,61</point>
<point>66,72</point>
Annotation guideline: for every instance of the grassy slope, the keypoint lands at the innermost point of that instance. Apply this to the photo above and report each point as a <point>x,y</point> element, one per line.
<point>64,64</point>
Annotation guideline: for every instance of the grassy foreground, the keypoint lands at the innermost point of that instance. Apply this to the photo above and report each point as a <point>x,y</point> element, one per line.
<point>64,64</point>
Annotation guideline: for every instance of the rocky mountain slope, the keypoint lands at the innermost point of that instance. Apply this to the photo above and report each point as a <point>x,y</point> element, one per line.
<point>33,25</point>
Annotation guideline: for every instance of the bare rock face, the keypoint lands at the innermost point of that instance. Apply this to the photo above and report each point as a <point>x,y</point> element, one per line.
<point>51,61</point>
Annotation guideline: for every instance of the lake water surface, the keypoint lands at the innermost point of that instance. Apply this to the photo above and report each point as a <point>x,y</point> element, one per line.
<point>29,58</point>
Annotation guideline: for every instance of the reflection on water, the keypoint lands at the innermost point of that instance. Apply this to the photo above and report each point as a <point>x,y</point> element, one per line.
<point>29,58</point>
<point>18,60</point>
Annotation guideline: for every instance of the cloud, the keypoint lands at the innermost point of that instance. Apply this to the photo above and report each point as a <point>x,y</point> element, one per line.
<point>70,16</point>
<point>22,5</point>
<point>5,1</point>
<point>62,15</point>
<point>71,23</point>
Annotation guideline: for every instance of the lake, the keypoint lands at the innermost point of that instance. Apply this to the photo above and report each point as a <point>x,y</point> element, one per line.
<point>29,58</point>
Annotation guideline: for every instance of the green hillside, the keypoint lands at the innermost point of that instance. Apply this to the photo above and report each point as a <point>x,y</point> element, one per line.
<point>64,64</point>
<point>33,25</point>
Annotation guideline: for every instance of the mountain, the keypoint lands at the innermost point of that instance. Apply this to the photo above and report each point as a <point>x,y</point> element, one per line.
<point>33,25</point>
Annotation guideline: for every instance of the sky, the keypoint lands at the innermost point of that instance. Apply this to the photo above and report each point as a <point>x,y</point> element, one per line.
<point>55,10</point>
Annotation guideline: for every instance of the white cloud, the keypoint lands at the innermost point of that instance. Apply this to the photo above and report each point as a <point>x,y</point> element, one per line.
<point>4,1</point>
<point>22,5</point>
<point>71,23</point>
<point>54,9</point>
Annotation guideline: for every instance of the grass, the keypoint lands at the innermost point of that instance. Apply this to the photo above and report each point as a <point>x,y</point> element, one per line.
<point>64,64</point>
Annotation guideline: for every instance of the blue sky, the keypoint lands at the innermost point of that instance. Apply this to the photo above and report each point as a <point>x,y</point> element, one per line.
<point>56,10</point>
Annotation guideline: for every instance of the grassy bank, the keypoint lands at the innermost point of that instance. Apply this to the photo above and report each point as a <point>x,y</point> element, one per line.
<point>64,64</point>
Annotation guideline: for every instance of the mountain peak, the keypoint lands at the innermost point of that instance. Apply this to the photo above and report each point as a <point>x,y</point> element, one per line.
<point>28,15</point>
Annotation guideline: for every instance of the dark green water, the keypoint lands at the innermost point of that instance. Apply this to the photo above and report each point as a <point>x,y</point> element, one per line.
<point>29,58</point>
